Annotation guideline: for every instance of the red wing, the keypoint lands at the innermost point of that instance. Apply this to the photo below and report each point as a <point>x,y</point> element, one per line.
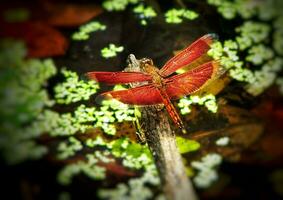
<point>188,55</point>
<point>118,77</point>
<point>143,95</point>
<point>193,80</point>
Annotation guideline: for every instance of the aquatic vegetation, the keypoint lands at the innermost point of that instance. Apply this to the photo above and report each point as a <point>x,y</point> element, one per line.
<point>84,118</point>
<point>74,89</point>
<point>247,9</point>
<point>209,101</point>
<point>136,188</point>
<point>65,124</point>
<point>186,145</point>
<point>117,5</point>
<point>134,156</point>
<point>113,111</point>
<point>111,51</point>
<point>88,167</point>
<point>23,98</point>
<point>144,13</point>
<point>230,9</point>
<point>228,53</point>
<point>85,30</point>
<point>251,33</point>
<point>176,16</point>
<point>206,174</point>
<point>265,77</point>
<point>66,150</point>
<point>223,141</point>
<point>251,39</point>
<point>122,111</point>
<point>258,54</point>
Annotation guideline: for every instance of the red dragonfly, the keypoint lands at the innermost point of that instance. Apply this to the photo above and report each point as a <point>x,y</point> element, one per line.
<point>161,88</point>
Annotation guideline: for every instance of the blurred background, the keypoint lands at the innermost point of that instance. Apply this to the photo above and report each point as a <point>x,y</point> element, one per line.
<point>58,142</point>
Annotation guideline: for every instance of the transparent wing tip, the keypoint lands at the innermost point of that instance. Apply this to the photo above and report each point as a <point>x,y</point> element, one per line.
<point>213,36</point>
<point>90,76</point>
<point>103,97</point>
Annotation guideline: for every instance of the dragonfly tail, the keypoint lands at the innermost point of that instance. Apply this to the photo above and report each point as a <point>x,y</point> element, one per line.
<point>172,111</point>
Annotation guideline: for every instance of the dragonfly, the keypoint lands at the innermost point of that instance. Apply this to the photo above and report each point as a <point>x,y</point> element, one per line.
<point>162,85</point>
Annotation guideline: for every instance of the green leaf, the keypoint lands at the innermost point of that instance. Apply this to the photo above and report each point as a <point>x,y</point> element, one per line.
<point>111,51</point>
<point>186,145</point>
<point>86,29</point>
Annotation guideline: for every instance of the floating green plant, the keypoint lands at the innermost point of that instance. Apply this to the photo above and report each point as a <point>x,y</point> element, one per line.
<point>136,188</point>
<point>134,156</point>
<point>252,36</point>
<point>111,51</point>
<point>74,89</point>
<point>88,167</point>
<point>186,145</point>
<point>265,77</point>
<point>259,53</point>
<point>223,141</point>
<point>251,33</point>
<point>176,16</point>
<point>247,9</point>
<point>85,30</point>
<point>209,101</point>
<point>67,149</point>
<point>229,9</point>
<point>145,13</point>
<point>117,5</point>
<point>206,174</point>
<point>23,98</point>
<point>252,40</point>
<point>65,125</point>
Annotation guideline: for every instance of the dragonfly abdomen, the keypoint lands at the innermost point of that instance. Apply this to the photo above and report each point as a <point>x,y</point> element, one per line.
<point>171,109</point>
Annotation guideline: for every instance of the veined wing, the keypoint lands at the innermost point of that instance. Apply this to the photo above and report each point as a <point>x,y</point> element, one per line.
<point>193,80</point>
<point>118,77</point>
<point>143,95</point>
<point>188,55</point>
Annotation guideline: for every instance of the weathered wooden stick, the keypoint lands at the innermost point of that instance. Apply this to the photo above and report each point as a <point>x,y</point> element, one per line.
<point>160,138</point>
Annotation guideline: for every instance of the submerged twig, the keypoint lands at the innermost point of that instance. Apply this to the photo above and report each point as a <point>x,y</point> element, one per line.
<point>160,138</point>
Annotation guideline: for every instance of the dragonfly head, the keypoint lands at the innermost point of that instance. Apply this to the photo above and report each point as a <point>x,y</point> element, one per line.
<point>146,63</point>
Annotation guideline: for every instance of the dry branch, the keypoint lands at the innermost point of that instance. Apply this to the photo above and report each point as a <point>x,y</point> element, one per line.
<point>155,126</point>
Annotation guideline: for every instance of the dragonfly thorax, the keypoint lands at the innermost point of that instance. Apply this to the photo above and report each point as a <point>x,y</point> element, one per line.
<point>149,68</point>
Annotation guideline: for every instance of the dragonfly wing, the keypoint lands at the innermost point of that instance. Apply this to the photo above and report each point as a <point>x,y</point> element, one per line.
<point>143,95</point>
<point>188,55</point>
<point>193,80</point>
<point>118,77</point>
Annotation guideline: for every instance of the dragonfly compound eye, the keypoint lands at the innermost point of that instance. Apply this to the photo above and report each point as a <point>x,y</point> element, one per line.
<point>146,61</point>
